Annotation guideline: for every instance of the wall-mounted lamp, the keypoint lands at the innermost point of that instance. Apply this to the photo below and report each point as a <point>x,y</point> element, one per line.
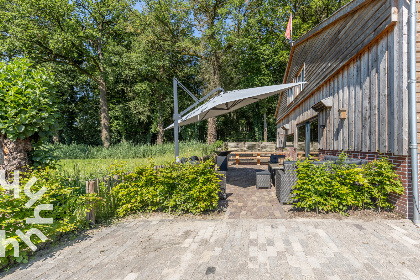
<point>343,113</point>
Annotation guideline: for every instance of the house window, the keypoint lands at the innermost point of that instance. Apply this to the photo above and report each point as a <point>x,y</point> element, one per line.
<point>290,140</point>
<point>299,78</point>
<point>301,138</point>
<point>292,93</point>
<point>313,136</point>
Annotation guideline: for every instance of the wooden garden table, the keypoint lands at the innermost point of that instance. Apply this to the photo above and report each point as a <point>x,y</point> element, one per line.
<point>253,155</point>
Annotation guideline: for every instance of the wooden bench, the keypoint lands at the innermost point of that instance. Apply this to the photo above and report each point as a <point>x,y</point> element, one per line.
<point>238,156</point>
<point>314,155</point>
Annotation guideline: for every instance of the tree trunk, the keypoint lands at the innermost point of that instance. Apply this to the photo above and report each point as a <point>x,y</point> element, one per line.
<point>160,133</point>
<point>211,131</point>
<point>215,82</point>
<point>103,100</point>
<point>103,104</point>
<point>14,154</point>
<point>211,14</point>
<point>56,138</point>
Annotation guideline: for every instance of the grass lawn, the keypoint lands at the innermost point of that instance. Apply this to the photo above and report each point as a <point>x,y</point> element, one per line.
<point>91,168</point>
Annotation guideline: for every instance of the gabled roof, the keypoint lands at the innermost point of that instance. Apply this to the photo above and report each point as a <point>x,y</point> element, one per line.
<point>337,27</point>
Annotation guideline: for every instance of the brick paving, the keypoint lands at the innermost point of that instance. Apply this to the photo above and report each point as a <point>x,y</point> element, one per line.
<point>244,200</point>
<point>252,241</point>
<point>236,249</point>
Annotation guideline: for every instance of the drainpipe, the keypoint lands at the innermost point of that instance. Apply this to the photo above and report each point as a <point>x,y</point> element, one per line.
<point>412,109</point>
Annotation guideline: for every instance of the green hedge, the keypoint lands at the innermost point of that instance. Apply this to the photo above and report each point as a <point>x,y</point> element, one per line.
<point>340,187</point>
<point>175,188</point>
<point>69,208</point>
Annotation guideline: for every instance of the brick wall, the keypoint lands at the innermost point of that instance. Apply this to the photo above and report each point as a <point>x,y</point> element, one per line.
<point>403,203</point>
<point>290,152</point>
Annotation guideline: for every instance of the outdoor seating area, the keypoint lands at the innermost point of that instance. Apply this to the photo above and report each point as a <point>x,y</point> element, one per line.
<point>252,157</point>
<point>250,152</point>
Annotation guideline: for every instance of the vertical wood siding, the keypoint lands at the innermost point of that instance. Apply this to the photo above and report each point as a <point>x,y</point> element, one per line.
<point>373,101</point>
<point>372,87</point>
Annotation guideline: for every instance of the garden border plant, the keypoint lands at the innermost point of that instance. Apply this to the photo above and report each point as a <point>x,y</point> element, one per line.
<point>339,187</point>
<point>69,208</point>
<point>175,188</point>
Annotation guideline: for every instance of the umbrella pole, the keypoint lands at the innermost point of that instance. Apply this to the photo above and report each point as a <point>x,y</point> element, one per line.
<point>176,119</point>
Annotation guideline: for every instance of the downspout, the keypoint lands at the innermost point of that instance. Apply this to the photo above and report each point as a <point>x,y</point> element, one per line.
<point>412,109</point>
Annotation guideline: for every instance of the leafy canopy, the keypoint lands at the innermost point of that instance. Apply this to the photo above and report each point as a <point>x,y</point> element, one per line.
<point>75,33</point>
<point>27,105</point>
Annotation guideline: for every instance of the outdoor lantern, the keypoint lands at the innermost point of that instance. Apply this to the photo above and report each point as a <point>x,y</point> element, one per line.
<point>343,114</point>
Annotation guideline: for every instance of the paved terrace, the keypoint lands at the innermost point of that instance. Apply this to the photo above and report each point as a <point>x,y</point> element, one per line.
<point>245,201</point>
<point>242,244</point>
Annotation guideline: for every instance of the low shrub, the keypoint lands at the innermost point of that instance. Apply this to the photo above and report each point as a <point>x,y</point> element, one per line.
<point>68,214</point>
<point>176,188</point>
<point>340,187</point>
<point>383,180</point>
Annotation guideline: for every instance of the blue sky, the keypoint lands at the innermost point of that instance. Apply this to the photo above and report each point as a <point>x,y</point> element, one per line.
<point>138,6</point>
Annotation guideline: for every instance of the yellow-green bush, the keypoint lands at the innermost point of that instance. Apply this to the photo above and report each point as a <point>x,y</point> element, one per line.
<point>69,208</point>
<point>340,187</point>
<point>174,188</point>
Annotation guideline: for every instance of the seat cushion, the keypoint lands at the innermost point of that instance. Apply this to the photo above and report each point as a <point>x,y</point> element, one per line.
<point>274,159</point>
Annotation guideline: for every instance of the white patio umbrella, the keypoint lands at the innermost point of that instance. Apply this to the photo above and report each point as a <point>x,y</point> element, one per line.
<point>230,101</point>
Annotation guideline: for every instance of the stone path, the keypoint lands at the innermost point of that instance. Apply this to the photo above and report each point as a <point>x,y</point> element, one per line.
<point>244,200</point>
<point>252,241</point>
<point>236,249</point>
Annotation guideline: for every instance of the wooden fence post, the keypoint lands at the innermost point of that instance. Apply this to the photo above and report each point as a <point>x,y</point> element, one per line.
<point>90,188</point>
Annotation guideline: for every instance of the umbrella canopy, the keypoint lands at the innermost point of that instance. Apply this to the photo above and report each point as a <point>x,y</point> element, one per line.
<point>230,101</point>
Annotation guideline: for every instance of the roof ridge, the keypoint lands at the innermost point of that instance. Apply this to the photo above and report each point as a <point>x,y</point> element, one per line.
<point>337,15</point>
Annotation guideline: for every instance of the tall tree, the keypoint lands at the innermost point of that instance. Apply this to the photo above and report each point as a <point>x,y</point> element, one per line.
<point>164,46</point>
<point>76,33</point>
<point>28,111</point>
<point>210,21</point>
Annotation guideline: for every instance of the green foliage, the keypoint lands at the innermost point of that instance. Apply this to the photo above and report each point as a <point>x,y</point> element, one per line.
<point>176,188</point>
<point>68,214</point>
<point>339,187</point>
<point>27,101</point>
<point>42,156</point>
<point>137,52</point>
<point>383,179</point>
<point>75,33</point>
<point>78,34</point>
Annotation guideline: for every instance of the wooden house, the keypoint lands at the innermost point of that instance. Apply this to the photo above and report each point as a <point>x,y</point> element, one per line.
<point>355,64</point>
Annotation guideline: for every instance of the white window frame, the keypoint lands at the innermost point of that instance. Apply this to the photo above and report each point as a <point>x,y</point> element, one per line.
<point>294,92</point>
